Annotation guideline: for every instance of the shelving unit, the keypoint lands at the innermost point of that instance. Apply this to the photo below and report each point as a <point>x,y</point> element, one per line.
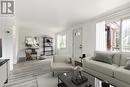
<point>48,46</point>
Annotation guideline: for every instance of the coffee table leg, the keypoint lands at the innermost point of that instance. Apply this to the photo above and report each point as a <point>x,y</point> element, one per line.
<point>58,82</point>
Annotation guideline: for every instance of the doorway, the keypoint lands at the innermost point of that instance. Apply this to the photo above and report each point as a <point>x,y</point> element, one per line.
<point>77,44</point>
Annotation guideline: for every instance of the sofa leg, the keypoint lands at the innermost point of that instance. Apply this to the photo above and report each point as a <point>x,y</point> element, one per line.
<point>53,74</point>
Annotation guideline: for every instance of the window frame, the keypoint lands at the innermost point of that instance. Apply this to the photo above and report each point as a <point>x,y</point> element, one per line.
<point>62,40</point>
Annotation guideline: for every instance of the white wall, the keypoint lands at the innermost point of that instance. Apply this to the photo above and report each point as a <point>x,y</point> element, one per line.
<point>15,43</point>
<point>89,40</point>
<point>88,43</point>
<point>100,36</point>
<point>89,30</point>
<point>30,30</point>
<point>7,24</point>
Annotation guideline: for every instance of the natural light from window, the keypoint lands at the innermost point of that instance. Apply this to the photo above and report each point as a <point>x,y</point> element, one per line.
<point>61,41</point>
<point>126,35</point>
<point>115,36</point>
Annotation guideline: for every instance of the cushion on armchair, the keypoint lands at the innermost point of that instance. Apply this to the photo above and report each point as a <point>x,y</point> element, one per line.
<point>61,63</point>
<point>59,58</point>
<point>62,67</point>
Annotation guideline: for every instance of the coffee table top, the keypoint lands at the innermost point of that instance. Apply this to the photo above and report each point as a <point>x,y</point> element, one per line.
<point>66,78</point>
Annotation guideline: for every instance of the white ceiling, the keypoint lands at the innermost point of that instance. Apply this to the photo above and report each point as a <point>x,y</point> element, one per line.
<point>56,14</point>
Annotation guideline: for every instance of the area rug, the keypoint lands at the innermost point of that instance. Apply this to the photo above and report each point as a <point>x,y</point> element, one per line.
<point>47,80</point>
<point>26,73</point>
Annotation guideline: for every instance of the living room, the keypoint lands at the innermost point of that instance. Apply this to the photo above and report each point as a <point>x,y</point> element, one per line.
<point>80,30</point>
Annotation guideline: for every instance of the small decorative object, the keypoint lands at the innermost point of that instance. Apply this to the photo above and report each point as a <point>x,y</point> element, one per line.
<point>78,77</point>
<point>77,71</point>
<point>7,32</point>
<point>104,84</point>
<point>65,74</point>
<point>78,68</point>
<point>83,56</point>
<point>49,41</point>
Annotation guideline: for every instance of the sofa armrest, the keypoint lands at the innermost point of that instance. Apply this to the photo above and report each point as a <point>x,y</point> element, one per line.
<point>88,58</point>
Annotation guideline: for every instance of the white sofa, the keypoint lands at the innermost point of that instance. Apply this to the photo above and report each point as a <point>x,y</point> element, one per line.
<point>114,74</point>
<point>61,63</point>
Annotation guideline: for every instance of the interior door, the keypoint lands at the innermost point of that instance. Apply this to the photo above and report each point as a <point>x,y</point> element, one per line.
<point>77,43</point>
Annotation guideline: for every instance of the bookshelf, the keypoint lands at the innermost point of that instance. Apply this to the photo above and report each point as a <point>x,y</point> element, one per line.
<point>48,46</point>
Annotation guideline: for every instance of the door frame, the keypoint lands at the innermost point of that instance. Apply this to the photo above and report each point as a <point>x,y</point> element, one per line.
<point>73,35</point>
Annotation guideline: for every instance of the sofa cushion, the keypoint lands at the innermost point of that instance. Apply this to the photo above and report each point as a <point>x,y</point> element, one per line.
<point>116,58</point>
<point>127,66</point>
<point>61,67</point>
<point>104,57</point>
<point>101,67</point>
<point>124,57</point>
<point>122,74</point>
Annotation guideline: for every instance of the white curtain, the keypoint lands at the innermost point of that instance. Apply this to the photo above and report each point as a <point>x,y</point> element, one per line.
<point>100,36</point>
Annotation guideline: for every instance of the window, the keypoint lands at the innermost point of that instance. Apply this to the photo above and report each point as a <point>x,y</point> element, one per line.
<point>113,35</point>
<point>100,36</point>
<point>116,36</point>
<point>126,35</point>
<point>61,41</point>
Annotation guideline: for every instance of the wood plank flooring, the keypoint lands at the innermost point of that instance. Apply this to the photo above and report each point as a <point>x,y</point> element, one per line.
<point>25,74</point>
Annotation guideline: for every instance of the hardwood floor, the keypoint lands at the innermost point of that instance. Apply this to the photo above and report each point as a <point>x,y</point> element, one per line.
<point>25,74</point>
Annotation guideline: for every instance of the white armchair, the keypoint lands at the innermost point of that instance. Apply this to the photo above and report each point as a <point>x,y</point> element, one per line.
<point>61,64</point>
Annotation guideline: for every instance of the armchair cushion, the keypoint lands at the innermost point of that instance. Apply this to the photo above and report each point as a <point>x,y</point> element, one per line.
<point>61,64</point>
<point>61,67</point>
<point>59,58</point>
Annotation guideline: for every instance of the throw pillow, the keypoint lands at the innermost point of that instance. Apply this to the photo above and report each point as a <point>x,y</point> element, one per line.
<point>127,66</point>
<point>104,57</point>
